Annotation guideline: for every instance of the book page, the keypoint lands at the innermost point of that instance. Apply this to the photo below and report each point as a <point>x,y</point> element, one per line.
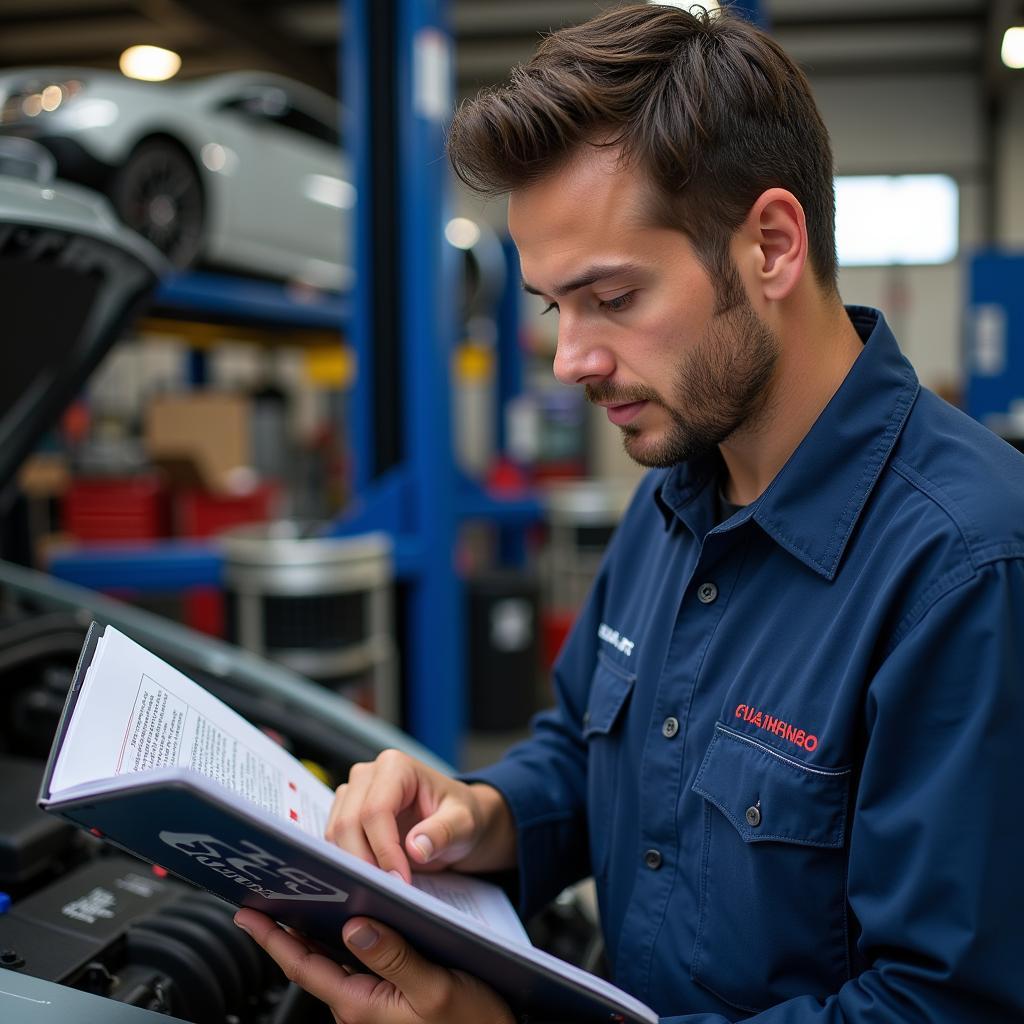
<point>137,713</point>
<point>484,902</point>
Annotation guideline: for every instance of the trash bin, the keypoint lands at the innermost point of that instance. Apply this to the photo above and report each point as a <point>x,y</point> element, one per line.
<point>504,649</point>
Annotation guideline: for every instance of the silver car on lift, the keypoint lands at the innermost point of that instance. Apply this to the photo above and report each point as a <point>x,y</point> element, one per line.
<point>242,170</point>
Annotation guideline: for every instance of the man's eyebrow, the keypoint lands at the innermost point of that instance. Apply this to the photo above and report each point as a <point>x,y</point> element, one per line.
<point>595,273</point>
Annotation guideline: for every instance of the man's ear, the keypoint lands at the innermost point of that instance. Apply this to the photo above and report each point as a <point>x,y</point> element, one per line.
<point>774,236</point>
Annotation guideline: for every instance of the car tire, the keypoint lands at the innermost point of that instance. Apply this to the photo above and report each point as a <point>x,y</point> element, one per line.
<point>158,194</point>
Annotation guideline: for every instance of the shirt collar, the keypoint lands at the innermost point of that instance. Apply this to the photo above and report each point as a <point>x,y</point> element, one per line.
<point>813,504</point>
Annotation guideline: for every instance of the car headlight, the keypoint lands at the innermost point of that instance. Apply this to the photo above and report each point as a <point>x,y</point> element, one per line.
<point>31,99</point>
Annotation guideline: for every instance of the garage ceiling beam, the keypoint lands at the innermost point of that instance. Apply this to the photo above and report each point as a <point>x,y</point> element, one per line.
<point>237,25</point>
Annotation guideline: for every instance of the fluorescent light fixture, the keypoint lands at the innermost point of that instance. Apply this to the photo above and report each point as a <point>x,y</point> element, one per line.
<point>149,63</point>
<point>462,232</point>
<point>1013,47</point>
<point>896,219</point>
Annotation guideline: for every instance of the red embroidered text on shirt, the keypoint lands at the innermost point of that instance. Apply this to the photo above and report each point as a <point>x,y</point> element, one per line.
<point>763,720</point>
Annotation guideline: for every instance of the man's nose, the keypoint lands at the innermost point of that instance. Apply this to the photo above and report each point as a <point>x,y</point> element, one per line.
<point>580,357</point>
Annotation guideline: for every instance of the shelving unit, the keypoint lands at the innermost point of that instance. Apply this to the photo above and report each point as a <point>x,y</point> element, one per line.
<point>228,299</point>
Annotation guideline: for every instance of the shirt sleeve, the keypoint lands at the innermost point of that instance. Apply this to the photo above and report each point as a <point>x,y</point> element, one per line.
<point>937,838</point>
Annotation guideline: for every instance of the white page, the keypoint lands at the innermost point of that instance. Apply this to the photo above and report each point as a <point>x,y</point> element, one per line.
<point>135,712</point>
<point>483,902</point>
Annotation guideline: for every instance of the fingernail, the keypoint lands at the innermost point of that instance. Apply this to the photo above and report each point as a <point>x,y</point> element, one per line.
<point>396,874</point>
<point>424,845</point>
<point>363,937</point>
<point>242,926</point>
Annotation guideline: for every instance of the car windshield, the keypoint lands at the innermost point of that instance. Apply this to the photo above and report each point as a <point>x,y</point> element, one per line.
<point>273,105</point>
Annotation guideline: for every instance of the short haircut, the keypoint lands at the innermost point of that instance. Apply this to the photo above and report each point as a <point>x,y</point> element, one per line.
<point>710,108</point>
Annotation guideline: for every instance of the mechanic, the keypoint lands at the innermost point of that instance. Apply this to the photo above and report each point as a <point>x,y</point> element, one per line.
<point>789,733</point>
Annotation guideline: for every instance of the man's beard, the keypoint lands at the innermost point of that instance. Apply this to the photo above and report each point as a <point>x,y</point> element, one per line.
<point>720,387</point>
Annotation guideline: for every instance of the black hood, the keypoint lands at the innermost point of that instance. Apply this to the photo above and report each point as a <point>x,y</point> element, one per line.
<point>72,279</point>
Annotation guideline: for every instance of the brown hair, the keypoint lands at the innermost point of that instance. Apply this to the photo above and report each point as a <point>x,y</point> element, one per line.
<point>709,107</point>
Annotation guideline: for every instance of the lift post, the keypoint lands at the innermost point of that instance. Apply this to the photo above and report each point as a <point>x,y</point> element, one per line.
<point>397,72</point>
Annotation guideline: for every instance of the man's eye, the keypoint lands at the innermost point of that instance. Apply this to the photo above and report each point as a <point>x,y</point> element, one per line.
<point>549,307</point>
<point>619,303</point>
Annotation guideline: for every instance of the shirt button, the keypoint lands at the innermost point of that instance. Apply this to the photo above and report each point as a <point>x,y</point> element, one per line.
<point>753,817</point>
<point>652,859</point>
<point>706,593</point>
<point>586,719</point>
<point>669,727</point>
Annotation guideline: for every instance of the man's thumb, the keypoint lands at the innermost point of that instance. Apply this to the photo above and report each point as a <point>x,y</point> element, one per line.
<point>446,836</point>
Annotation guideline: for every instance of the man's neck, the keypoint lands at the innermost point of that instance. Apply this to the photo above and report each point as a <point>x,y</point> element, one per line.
<point>818,345</point>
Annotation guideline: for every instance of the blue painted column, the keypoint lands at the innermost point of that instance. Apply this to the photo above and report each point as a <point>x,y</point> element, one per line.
<point>510,356</point>
<point>406,481</point>
<point>357,116</point>
<point>436,649</point>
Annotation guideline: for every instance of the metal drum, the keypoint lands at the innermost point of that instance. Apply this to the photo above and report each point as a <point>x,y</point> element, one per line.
<point>582,516</point>
<point>322,606</point>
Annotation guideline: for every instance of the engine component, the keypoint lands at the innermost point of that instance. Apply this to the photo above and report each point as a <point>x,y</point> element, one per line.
<point>117,929</point>
<point>32,843</point>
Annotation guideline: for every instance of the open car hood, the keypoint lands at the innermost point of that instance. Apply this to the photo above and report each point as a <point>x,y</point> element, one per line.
<point>72,279</point>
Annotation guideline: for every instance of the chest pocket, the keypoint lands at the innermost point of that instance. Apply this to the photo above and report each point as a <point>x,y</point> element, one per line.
<point>610,691</point>
<point>772,918</point>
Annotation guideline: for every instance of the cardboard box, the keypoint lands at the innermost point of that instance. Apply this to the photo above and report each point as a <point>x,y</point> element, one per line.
<point>201,437</point>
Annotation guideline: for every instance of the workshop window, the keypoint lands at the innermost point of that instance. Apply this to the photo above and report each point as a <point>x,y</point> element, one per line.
<point>896,219</point>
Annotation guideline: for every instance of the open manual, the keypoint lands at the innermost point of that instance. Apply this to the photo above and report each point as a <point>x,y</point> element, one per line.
<point>150,761</point>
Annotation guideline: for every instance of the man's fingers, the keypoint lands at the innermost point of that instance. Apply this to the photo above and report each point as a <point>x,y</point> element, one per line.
<point>393,790</point>
<point>427,988</point>
<point>381,808</point>
<point>365,814</point>
<point>344,824</point>
<point>403,988</point>
<point>316,973</point>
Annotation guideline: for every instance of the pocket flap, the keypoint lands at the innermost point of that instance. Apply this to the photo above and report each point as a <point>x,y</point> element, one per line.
<point>609,690</point>
<point>770,797</point>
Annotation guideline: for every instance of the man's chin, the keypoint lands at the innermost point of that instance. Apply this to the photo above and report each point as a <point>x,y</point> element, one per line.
<point>662,452</point>
<point>647,452</point>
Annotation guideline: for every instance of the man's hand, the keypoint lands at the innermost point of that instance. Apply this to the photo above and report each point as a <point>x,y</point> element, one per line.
<point>407,989</point>
<point>397,813</point>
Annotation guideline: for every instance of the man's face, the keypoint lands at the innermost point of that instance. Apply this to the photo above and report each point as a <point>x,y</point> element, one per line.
<point>679,363</point>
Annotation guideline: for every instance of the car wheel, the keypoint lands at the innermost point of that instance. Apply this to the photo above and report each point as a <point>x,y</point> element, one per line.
<point>158,194</point>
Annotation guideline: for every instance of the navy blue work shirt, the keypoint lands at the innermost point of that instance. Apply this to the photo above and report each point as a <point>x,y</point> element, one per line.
<point>789,746</point>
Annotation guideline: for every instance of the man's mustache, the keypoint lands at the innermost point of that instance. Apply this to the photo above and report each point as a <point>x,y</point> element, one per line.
<point>608,394</point>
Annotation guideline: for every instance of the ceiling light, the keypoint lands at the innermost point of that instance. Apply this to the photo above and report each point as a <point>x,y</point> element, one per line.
<point>149,63</point>
<point>51,97</point>
<point>1013,47</point>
